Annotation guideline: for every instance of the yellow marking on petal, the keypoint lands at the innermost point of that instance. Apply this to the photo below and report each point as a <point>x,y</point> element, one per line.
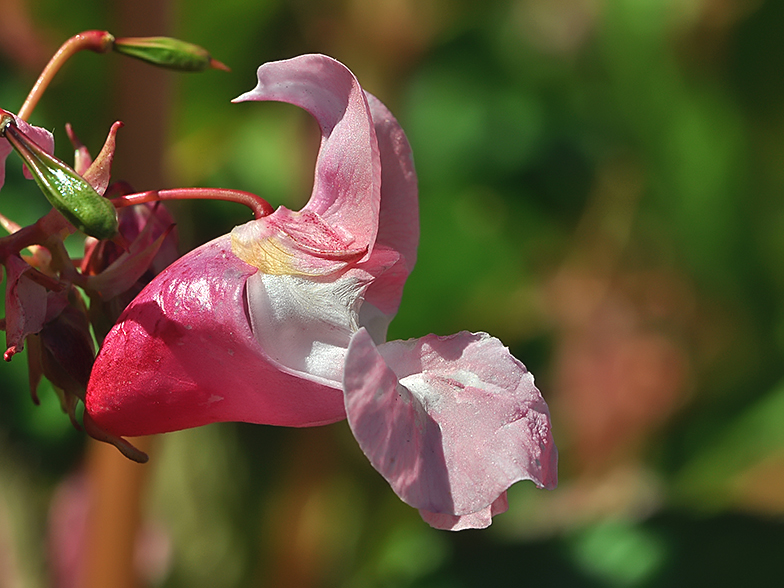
<point>269,255</point>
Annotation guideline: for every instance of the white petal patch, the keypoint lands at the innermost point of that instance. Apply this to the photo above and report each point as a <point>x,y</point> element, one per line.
<point>305,323</point>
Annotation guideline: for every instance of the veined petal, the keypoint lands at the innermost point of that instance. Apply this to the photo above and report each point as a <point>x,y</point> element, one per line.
<point>296,243</point>
<point>398,229</point>
<point>341,217</point>
<point>183,354</point>
<point>450,422</point>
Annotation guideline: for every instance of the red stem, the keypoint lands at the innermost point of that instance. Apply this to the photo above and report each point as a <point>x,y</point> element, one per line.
<point>257,204</point>
<point>98,41</point>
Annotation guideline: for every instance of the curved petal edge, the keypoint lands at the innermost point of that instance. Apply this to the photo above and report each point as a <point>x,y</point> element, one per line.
<point>450,422</point>
<point>340,221</point>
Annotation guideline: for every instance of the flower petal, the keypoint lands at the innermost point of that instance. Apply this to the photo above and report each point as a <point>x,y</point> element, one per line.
<point>28,304</point>
<point>398,228</point>
<point>341,218</point>
<point>306,323</point>
<point>183,354</point>
<point>450,422</point>
<point>476,520</point>
<point>398,225</point>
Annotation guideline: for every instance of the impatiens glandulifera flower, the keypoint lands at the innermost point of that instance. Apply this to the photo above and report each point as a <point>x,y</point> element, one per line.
<point>283,322</point>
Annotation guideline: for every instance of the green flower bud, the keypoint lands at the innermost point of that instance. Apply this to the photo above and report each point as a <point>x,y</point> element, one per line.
<point>68,192</point>
<point>167,52</point>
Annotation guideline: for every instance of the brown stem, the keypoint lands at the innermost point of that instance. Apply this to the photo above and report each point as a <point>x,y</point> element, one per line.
<point>116,488</point>
<point>257,204</point>
<point>98,41</point>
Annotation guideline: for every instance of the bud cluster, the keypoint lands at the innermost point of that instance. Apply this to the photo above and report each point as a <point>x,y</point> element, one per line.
<point>58,307</point>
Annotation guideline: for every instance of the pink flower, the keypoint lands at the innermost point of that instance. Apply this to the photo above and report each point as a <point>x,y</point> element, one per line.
<point>283,322</point>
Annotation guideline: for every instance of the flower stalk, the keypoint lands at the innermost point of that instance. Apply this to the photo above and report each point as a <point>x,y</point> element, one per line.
<point>257,204</point>
<point>161,51</point>
<point>97,41</point>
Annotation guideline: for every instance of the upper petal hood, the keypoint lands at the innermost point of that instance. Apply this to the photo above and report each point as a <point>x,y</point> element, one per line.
<point>398,225</point>
<point>183,354</point>
<point>340,221</point>
<point>364,156</point>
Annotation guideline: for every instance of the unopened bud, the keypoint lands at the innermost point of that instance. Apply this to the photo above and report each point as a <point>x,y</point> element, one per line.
<point>68,192</point>
<point>167,52</point>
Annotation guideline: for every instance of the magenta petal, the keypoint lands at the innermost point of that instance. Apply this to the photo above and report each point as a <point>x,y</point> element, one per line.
<point>455,424</point>
<point>28,304</point>
<point>183,355</point>
<point>346,189</point>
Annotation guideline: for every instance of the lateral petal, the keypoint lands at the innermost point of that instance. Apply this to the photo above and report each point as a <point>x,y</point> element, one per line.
<point>450,422</point>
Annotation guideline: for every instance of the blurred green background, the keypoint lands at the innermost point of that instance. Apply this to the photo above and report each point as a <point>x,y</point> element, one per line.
<point>601,188</point>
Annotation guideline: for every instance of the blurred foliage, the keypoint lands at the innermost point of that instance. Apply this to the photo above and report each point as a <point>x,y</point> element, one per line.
<point>601,187</point>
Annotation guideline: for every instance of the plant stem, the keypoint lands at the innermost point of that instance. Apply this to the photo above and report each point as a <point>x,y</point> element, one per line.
<point>98,41</point>
<point>257,204</point>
